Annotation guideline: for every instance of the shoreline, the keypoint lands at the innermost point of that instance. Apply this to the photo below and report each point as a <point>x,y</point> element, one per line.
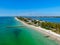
<point>46,32</point>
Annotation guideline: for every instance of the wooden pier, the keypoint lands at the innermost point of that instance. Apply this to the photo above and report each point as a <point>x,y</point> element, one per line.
<point>14,26</point>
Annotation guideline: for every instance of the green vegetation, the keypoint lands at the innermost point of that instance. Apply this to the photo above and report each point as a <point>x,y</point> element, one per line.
<point>55,27</point>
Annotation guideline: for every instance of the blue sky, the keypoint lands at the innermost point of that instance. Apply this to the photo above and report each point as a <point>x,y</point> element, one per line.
<point>29,7</point>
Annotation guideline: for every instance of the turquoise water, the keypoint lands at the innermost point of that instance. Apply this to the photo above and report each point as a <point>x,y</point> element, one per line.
<point>21,35</point>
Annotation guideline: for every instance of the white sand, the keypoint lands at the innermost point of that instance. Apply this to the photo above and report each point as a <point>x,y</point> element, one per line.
<point>44,31</point>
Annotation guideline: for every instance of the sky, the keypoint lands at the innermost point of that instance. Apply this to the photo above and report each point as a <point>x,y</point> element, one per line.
<point>29,7</point>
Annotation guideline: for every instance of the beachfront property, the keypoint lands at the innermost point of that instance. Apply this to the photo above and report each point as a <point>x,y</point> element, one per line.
<point>43,24</point>
<point>20,31</point>
<point>29,22</point>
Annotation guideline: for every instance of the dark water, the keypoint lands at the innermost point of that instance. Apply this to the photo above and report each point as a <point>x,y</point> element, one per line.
<point>21,35</point>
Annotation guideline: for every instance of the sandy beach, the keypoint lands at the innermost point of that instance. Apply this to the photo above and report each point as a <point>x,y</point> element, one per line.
<point>46,32</point>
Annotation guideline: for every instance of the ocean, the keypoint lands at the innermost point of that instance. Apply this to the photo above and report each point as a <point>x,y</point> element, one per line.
<point>12,34</point>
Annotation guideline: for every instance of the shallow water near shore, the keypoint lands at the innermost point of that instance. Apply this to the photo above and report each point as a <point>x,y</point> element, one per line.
<point>21,35</point>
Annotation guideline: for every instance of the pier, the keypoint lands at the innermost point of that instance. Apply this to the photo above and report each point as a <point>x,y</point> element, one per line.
<point>14,26</point>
